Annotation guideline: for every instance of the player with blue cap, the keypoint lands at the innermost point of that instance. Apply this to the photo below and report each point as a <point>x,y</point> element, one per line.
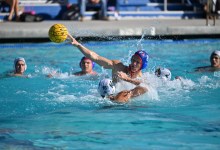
<point>144,58</point>
<point>87,66</point>
<point>82,61</point>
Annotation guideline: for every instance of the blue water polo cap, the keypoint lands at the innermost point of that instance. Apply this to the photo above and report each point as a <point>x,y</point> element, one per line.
<point>80,63</point>
<point>144,57</point>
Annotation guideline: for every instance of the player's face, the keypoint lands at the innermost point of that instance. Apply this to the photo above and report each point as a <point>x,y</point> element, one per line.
<point>86,65</point>
<point>215,61</point>
<point>20,67</point>
<point>136,63</point>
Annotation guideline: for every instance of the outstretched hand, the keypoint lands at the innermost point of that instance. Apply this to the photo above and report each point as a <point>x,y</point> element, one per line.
<point>73,40</point>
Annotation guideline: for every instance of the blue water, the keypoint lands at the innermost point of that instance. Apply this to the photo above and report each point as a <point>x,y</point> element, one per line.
<point>66,112</point>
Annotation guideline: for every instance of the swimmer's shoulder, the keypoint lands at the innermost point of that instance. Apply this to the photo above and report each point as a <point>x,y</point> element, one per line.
<point>21,75</point>
<point>206,69</point>
<point>94,73</point>
<point>10,73</point>
<point>203,69</point>
<point>78,73</point>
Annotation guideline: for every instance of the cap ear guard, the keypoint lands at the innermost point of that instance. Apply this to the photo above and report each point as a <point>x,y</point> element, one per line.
<point>144,65</point>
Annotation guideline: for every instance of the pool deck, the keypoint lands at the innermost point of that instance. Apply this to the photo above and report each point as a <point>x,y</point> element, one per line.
<point>122,28</point>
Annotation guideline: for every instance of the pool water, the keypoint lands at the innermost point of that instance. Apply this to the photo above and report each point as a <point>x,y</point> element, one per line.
<point>66,112</point>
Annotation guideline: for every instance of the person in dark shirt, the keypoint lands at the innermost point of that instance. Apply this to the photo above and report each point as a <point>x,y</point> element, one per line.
<point>93,5</point>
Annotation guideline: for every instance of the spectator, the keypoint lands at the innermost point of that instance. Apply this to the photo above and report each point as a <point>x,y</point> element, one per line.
<point>113,6</point>
<point>211,8</point>
<point>13,9</point>
<point>93,5</point>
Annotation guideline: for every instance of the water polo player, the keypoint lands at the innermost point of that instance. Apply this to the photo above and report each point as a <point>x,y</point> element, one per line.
<point>129,73</point>
<point>163,73</point>
<point>214,61</point>
<point>20,66</point>
<point>87,66</point>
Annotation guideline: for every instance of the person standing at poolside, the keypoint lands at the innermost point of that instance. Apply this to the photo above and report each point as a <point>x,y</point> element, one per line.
<point>119,70</point>
<point>215,63</point>
<point>94,5</point>
<point>87,66</point>
<point>13,9</point>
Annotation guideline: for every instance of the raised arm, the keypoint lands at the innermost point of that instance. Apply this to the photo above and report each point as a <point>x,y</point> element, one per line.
<point>102,61</point>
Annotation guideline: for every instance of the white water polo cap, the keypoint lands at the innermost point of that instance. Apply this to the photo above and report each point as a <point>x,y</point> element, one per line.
<point>216,52</point>
<point>106,87</point>
<point>163,73</point>
<point>19,59</point>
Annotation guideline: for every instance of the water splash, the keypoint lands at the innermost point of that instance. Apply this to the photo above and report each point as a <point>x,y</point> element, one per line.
<point>217,74</point>
<point>139,43</point>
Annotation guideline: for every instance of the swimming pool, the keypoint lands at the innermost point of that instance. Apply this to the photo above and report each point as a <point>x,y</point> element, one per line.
<point>66,112</point>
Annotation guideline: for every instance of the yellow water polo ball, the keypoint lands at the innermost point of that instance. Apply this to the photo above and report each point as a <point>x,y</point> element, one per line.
<point>58,33</point>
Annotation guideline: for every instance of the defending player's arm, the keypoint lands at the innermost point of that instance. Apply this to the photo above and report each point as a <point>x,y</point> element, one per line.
<point>125,96</point>
<point>102,61</point>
